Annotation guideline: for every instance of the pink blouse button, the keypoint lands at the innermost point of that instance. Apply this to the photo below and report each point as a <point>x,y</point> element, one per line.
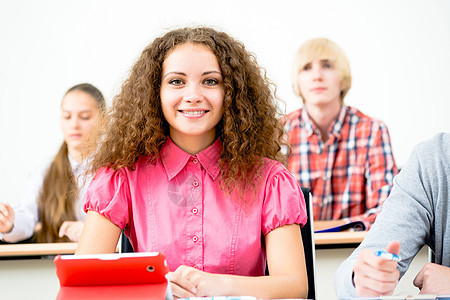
<point>195,160</point>
<point>196,267</point>
<point>195,183</point>
<point>195,210</point>
<point>195,238</point>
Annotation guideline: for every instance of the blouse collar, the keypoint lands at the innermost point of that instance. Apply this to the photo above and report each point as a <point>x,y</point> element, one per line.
<point>174,159</point>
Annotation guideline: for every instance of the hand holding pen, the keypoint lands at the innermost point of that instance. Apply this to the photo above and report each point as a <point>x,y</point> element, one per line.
<point>387,255</point>
<point>375,272</point>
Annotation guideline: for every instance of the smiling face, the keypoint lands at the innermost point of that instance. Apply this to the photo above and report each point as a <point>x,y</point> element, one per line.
<point>192,96</point>
<point>79,113</point>
<point>320,83</point>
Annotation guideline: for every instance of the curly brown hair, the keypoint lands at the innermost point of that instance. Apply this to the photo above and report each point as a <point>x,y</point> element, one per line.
<point>249,129</point>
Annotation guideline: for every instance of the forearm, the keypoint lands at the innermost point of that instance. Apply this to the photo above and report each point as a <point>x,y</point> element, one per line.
<point>266,287</point>
<point>99,235</point>
<point>23,227</point>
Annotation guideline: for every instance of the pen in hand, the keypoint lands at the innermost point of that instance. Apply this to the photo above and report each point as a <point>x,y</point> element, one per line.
<point>387,255</point>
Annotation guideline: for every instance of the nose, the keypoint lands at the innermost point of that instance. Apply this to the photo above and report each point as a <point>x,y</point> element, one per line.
<point>75,122</point>
<point>193,94</point>
<point>316,72</point>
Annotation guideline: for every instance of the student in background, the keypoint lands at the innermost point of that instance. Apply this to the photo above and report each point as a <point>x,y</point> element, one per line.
<point>343,155</point>
<point>54,192</point>
<point>190,166</point>
<point>415,214</point>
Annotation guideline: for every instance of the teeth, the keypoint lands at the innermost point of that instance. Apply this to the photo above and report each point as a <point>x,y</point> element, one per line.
<point>196,112</point>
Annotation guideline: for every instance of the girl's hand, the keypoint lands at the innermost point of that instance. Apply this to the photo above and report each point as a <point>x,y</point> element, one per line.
<point>188,282</point>
<point>71,229</point>
<point>7,216</point>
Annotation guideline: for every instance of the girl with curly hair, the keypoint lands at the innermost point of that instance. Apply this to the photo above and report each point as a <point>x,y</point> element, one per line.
<point>189,164</point>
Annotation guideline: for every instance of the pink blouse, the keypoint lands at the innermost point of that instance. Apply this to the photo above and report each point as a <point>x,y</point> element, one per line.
<point>177,207</point>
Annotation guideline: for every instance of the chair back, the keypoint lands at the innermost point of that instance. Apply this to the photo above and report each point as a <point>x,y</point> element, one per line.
<point>125,245</point>
<point>308,245</point>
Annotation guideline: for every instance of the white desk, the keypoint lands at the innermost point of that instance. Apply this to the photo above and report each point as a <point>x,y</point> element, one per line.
<point>28,279</point>
<point>36,278</point>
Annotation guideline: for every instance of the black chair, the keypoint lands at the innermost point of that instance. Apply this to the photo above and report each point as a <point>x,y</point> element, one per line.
<point>308,245</point>
<point>125,245</point>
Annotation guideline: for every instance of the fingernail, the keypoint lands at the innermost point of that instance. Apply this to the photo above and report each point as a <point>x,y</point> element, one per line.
<point>194,290</point>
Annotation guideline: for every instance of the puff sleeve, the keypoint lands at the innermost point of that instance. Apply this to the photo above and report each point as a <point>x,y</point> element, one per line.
<point>109,195</point>
<point>284,203</point>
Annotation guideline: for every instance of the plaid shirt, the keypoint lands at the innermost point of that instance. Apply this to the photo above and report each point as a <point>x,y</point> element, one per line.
<point>351,174</point>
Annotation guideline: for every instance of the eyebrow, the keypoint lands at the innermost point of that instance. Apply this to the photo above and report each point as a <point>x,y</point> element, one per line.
<point>321,61</point>
<point>80,112</point>
<point>184,74</point>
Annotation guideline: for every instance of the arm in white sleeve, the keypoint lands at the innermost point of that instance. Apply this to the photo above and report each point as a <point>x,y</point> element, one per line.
<point>26,211</point>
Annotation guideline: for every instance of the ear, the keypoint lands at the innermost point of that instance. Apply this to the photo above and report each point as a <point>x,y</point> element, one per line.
<point>344,90</point>
<point>342,95</point>
<point>303,99</point>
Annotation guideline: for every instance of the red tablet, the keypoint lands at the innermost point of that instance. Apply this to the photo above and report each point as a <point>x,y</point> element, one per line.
<point>113,276</point>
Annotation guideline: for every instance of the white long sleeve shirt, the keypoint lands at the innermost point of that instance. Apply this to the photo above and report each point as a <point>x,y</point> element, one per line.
<point>26,211</point>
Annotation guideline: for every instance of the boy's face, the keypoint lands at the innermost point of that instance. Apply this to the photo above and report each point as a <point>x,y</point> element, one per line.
<point>319,83</point>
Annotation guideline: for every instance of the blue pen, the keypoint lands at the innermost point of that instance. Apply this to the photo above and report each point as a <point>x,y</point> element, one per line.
<point>387,255</point>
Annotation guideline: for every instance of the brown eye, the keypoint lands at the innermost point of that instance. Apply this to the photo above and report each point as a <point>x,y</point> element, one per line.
<point>176,82</point>
<point>211,81</point>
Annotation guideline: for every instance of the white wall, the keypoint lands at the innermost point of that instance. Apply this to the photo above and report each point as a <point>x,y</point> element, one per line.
<point>399,52</point>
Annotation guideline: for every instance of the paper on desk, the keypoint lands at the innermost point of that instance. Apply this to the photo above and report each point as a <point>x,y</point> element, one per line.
<point>406,297</point>
<point>233,298</point>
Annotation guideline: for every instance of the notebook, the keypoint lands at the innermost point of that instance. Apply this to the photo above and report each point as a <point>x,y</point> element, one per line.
<point>352,226</point>
<point>113,276</point>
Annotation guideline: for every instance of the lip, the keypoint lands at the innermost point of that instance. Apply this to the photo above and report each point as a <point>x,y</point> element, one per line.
<point>193,113</point>
<point>75,136</point>
<point>318,89</point>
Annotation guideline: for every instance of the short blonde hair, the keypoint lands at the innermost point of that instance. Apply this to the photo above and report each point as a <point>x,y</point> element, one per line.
<point>320,49</point>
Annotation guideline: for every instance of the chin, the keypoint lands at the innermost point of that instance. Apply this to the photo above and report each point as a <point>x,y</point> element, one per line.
<point>321,101</point>
<point>74,146</point>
